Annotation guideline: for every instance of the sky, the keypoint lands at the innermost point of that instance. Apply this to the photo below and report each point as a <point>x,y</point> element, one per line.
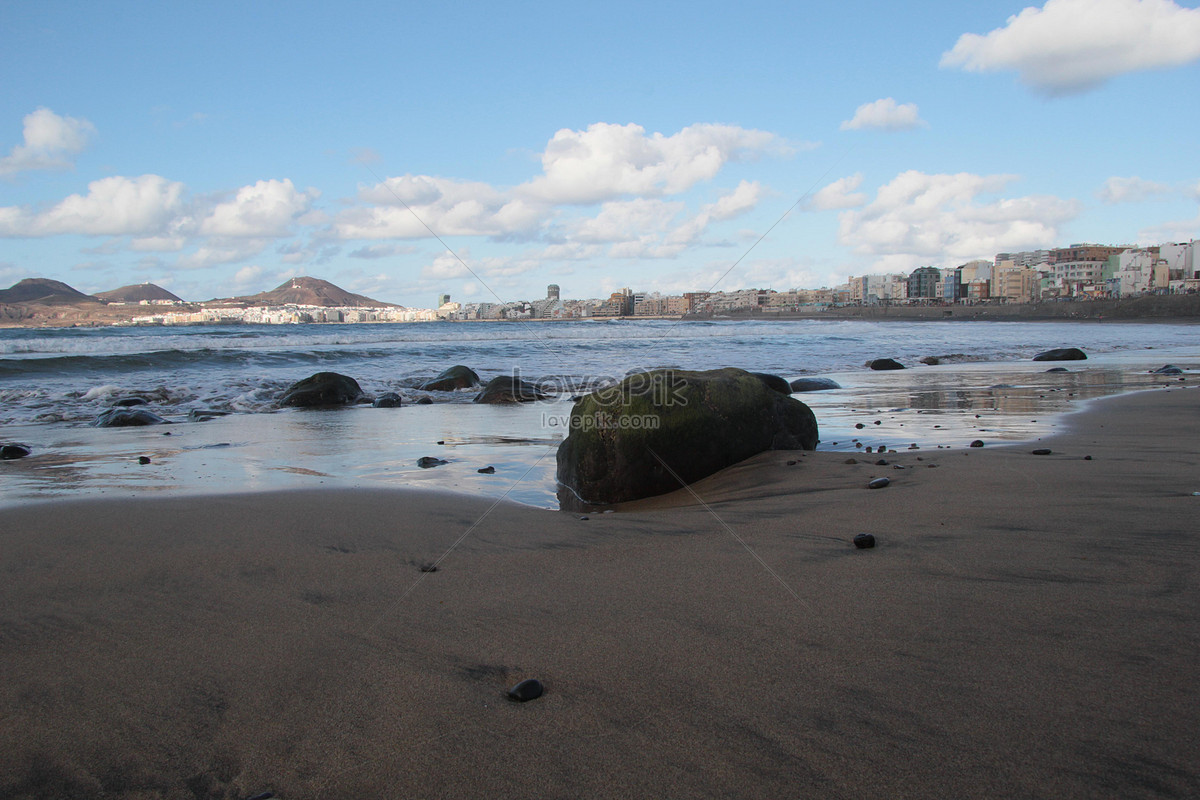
<point>405,150</point>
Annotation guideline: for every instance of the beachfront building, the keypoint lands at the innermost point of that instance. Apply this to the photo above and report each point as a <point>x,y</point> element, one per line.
<point>923,283</point>
<point>1014,284</point>
<point>950,288</point>
<point>1134,272</point>
<point>878,289</point>
<point>1083,269</point>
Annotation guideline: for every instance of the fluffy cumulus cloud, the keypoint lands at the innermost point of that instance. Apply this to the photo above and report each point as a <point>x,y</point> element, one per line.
<point>919,218</point>
<point>607,161</point>
<point>266,209</point>
<point>1130,190</point>
<point>50,141</point>
<point>412,206</point>
<point>842,193</point>
<point>885,115</point>
<point>1070,46</point>
<point>115,206</point>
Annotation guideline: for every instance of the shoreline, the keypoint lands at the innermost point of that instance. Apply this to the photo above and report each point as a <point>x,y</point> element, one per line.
<point>1026,625</point>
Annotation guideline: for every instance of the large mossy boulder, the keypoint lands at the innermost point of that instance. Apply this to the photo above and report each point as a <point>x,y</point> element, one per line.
<point>509,389</point>
<point>658,430</point>
<point>1062,354</point>
<point>457,377</point>
<point>322,390</point>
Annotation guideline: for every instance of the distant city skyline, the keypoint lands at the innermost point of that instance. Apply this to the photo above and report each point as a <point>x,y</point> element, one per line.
<point>485,152</point>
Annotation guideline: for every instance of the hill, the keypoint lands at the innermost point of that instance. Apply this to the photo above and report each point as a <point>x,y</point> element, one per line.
<point>136,293</point>
<point>44,292</point>
<point>310,292</point>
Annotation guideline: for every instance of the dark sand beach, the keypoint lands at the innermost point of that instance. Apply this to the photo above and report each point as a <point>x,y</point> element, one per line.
<point>1028,626</point>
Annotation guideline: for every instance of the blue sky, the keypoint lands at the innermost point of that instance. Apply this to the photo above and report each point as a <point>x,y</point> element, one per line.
<point>220,148</point>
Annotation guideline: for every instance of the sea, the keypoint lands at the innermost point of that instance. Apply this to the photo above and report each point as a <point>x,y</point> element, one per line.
<point>218,387</point>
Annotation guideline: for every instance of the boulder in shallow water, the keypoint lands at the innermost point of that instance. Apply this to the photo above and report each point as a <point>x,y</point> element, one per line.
<point>654,430</point>
<point>885,363</point>
<point>427,462</point>
<point>10,451</point>
<point>457,377</point>
<point>1062,354</point>
<point>509,389</point>
<point>322,390</point>
<point>1058,369</point>
<point>774,382</point>
<point>127,418</point>
<point>1169,369</point>
<point>814,384</point>
<point>387,400</point>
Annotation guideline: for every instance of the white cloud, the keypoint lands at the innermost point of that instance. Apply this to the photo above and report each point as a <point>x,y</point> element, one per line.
<point>222,251</point>
<point>1130,190</point>
<point>247,276</point>
<point>840,194</point>
<point>49,141</point>
<point>115,206</point>
<point>1071,46</point>
<point>1183,230</point>
<point>268,208</point>
<point>374,251</point>
<point>920,219</point>
<point>627,220</point>
<point>608,161</point>
<point>885,115</point>
<point>449,207</point>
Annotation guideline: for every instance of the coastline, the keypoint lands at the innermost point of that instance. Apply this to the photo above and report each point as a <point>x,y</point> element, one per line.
<point>1027,625</point>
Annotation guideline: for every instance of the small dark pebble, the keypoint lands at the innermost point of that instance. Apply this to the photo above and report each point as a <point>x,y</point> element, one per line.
<point>166,433</point>
<point>860,426</point>
<point>526,690</point>
<point>583,519</point>
<point>881,462</point>
<point>143,459</point>
<point>976,443</point>
<point>878,483</point>
<point>792,463</point>
<point>441,441</point>
<point>425,462</point>
<point>864,541</point>
<point>851,460</point>
<point>429,567</point>
<point>878,422</point>
<point>487,471</point>
<point>1041,451</point>
<point>1087,458</point>
<point>11,451</point>
<point>424,401</point>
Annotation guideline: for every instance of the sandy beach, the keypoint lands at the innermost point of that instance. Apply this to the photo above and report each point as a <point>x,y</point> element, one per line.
<point>1028,626</point>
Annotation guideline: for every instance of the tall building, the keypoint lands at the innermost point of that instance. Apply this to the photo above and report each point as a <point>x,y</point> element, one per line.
<point>552,291</point>
<point>923,282</point>
<point>443,299</point>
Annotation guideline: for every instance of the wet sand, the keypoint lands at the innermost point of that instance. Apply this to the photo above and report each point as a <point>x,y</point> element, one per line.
<point>1028,625</point>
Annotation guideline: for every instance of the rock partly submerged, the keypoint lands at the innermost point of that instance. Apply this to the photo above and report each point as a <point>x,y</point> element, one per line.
<point>658,430</point>
<point>774,382</point>
<point>11,451</point>
<point>456,377</point>
<point>814,384</point>
<point>322,390</point>
<point>510,389</point>
<point>387,400</point>
<point>1062,354</point>
<point>885,363</point>
<point>127,418</point>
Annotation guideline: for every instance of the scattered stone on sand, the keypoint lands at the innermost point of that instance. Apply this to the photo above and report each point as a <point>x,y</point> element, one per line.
<point>487,471</point>
<point>976,443</point>
<point>125,418</point>
<point>11,451</point>
<point>656,429</point>
<point>932,361</point>
<point>792,463</point>
<point>1062,354</point>
<point>205,414</point>
<point>425,462</point>
<point>774,382</point>
<point>879,483</point>
<point>387,400</point>
<point>1041,451</point>
<point>129,402</point>
<point>322,390</point>
<point>456,377</point>
<point>885,363</point>
<point>883,462</point>
<point>143,460</point>
<point>424,400</point>
<point>1087,458</point>
<point>1169,369</point>
<point>526,690</point>
<point>859,425</point>
<point>509,389</point>
<point>851,460</point>
<point>864,541</point>
<point>1058,369</point>
<point>814,384</point>
<point>428,566</point>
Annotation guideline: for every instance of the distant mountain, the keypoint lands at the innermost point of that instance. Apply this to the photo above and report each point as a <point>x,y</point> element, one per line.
<point>136,293</point>
<point>310,292</point>
<point>44,291</point>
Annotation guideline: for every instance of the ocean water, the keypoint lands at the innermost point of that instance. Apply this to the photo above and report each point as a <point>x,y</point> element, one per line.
<point>54,383</point>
